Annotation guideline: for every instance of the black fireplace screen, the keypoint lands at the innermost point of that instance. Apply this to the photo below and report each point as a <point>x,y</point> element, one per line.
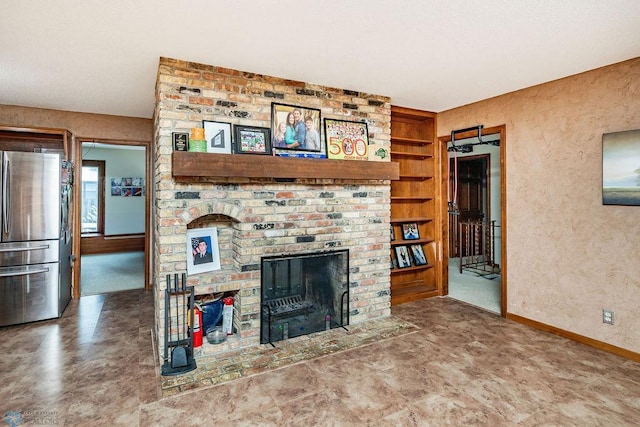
<point>303,294</point>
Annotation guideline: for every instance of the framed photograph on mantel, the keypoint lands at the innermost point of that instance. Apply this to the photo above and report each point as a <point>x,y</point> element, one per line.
<point>252,140</point>
<point>346,140</point>
<point>296,131</point>
<point>218,136</point>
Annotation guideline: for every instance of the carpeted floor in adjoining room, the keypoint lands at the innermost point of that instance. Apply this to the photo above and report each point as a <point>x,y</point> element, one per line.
<point>115,272</point>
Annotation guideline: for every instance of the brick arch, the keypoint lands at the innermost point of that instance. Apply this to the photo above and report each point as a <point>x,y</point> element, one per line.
<point>200,209</point>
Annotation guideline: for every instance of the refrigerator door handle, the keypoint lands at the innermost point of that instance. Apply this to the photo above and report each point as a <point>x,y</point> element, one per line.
<point>5,197</point>
<point>25,249</point>
<point>23,272</point>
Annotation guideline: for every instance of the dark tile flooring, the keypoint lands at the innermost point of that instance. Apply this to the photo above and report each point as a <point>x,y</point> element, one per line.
<point>462,366</point>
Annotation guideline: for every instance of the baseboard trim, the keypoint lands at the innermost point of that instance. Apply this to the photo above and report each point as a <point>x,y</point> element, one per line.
<point>618,351</point>
<point>99,244</point>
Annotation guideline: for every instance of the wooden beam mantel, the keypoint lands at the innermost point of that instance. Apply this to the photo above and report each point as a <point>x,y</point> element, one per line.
<point>190,165</point>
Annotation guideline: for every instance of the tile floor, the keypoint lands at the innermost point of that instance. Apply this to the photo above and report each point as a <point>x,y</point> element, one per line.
<point>462,366</point>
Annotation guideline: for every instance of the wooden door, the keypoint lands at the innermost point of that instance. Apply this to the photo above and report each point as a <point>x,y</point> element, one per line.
<point>472,194</point>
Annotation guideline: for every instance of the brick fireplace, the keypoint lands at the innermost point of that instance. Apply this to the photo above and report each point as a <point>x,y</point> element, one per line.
<point>260,216</point>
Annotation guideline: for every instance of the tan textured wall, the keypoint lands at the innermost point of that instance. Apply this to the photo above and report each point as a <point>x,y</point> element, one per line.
<point>97,126</point>
<point>568,255</point>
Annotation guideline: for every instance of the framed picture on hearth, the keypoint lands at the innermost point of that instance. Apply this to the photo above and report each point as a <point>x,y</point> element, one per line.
<point>402,255</point>
<point>202,250</point>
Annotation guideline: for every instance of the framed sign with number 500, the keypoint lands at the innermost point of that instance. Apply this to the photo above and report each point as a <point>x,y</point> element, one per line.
<point>346,140</point>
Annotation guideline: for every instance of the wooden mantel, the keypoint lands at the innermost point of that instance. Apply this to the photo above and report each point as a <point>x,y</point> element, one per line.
<point>190,164</point>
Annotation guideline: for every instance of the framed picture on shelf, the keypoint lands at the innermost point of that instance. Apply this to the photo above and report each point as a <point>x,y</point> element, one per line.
<point>346,140</point>
<point>218,136</point>
<point>252,140</point>
<point>202,250</point>
<point>410,231</point>
<point>402,255</point>
<point>180,141</point>
<point>296,131</point>
<point>393,233</point>
<point>418,255</point>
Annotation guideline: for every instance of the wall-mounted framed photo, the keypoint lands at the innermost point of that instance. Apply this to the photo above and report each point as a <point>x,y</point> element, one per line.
<point>410,231</point>
<point>218,136</point>
<point>346,140</point>
<point>296,130</point>
<point>180,141</point>
<point>252,140</point>
<point>418,255</point>
<point>202,250</point>
<point>402,256</point>
<point>621,168</point>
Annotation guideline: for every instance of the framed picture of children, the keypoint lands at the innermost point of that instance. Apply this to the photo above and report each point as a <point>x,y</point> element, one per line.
<point>418,255</point>
<point>295,131</point>
<point>410,231</point>
<point>402,255</point>
<point>202,250</point>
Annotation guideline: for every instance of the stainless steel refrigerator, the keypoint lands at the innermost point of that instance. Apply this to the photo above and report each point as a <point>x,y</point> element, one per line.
<point>35,241</point>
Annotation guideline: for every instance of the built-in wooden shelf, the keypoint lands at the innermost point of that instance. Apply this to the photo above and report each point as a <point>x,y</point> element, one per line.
<point>188,165</point>
<point>411,141</point>
<point>410,219</point>
<point>406,154</point>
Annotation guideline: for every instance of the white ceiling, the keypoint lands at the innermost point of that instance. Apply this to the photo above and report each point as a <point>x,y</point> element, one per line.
<point>102,56</point>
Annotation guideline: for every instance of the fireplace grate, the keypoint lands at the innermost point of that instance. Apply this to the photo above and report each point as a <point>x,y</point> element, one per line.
<point>288,306</point>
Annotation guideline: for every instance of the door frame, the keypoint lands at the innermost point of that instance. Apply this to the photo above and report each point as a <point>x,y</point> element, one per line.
<point>77,187</point>
<point>444,187</point>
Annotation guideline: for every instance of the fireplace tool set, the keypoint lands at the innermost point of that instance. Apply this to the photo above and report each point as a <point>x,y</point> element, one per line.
<point>178,303</point>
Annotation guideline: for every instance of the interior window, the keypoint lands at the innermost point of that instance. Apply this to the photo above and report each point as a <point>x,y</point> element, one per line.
<point>92,196</point>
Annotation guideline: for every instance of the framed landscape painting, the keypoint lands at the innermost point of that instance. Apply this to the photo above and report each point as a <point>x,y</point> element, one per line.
<point>621,168</point>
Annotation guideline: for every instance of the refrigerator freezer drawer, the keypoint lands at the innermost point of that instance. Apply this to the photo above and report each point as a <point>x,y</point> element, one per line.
<point>35,252</point>
<point>28,293</point>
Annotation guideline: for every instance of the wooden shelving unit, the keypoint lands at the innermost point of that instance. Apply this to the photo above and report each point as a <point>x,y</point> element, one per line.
<point>414,199</point>
<point>189,165</point>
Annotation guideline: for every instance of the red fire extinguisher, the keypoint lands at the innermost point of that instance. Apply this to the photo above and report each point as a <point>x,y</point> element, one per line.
<point>197,327</point>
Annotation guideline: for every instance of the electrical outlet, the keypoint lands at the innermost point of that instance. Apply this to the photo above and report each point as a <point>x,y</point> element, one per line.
<point>607,316</point>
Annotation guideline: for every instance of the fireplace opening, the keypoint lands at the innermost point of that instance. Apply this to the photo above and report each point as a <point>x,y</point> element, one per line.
<point>302,294</point>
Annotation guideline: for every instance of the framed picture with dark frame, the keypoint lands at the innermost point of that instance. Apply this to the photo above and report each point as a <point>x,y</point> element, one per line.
<point>410,231</point>
<point>180,141</point>
<point>296,130</point>
<point>252,140</point>
<point>346,140</point>
<point>218,137</point>
<point>621,168</point>
<point>402,256</point>
<point>202,250</point>
<point>418,255</point>
<point>393,233</point>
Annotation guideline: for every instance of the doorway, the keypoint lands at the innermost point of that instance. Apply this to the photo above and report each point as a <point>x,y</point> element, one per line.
<point>112,253</point>
<point>474,271</point>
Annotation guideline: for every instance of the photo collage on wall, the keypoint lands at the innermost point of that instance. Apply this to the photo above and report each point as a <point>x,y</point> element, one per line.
<point>127,187</point>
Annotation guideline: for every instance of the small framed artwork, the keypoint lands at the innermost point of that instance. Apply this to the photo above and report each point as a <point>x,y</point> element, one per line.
<point>180,141</point>
<point>296,129</point>
<point>218,136</point>
<point>410,231</point>
<point>346,140</point>
<point>202,250</point>
<point>394,263</point>
<point>252,140</point>
<point>418,255</point>
<point>621,168</point>
<point>402,255</point>
<point>393,233</point>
